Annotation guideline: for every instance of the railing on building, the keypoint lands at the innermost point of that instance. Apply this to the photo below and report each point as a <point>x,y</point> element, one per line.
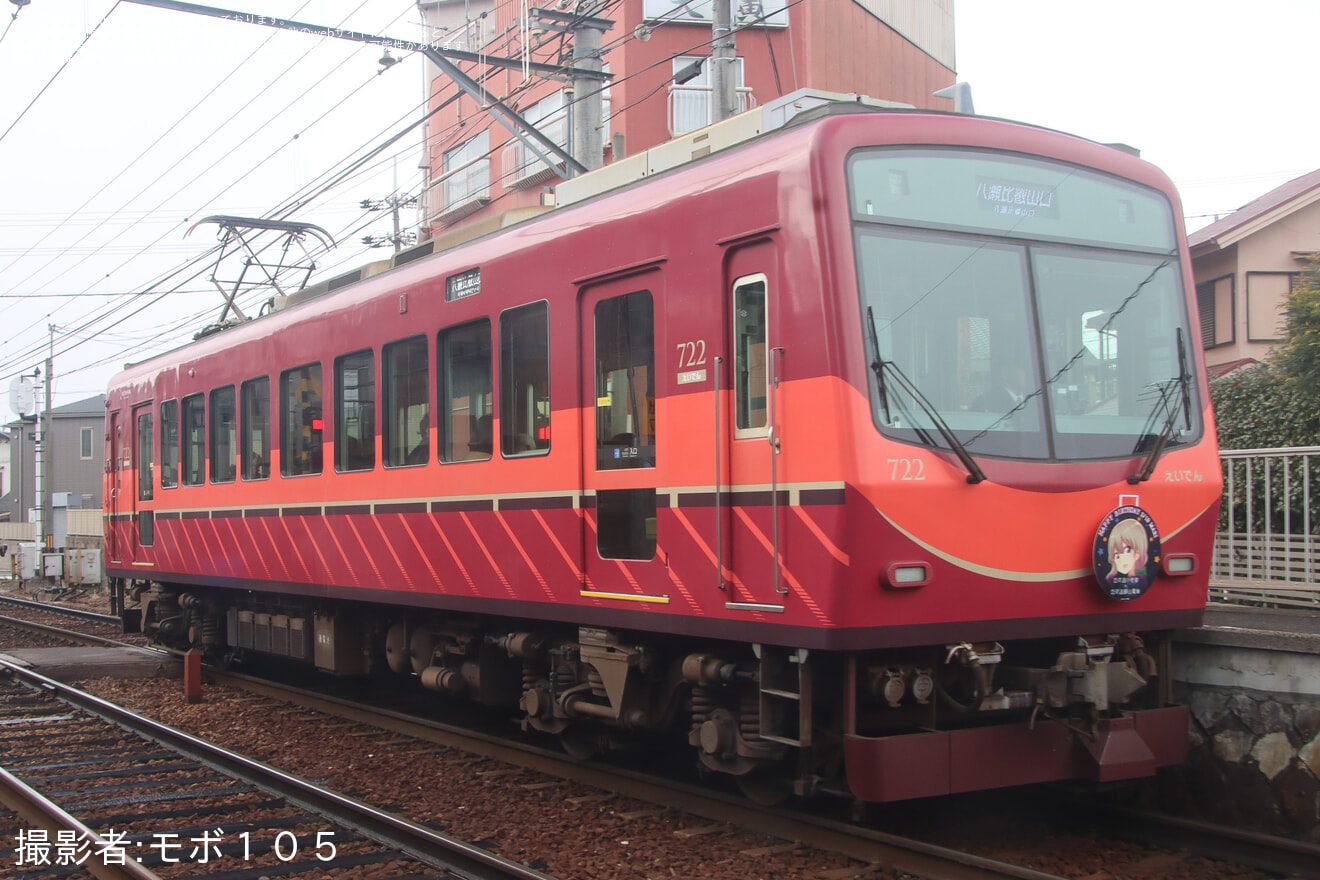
<point>1266,549</point>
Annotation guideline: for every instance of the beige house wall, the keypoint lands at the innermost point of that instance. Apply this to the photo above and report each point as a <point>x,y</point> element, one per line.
<point>1260,267</point>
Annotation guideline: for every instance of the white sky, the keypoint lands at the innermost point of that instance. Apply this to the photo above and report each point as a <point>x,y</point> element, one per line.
<point>1217,93</point>
<point>111,165</point>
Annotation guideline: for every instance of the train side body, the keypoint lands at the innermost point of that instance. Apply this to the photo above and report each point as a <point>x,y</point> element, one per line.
<point>750,501</point>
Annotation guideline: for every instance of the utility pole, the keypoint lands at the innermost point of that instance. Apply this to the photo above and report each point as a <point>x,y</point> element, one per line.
<point>585,92</point>
<point>723,64</point>
<point>392,203</point>
<point>47,516</point>
<point>39,469</point>
<point>588,121</point>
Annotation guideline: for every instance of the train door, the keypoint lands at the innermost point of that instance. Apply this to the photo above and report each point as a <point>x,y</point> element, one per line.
<point>751,501</point>
<point>618,345</point>
<point>113,525</point>
<point>143,531</point>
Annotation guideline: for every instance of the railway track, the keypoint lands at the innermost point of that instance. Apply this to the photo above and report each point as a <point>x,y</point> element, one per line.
<point>861,846</point>
<point>157,797</point>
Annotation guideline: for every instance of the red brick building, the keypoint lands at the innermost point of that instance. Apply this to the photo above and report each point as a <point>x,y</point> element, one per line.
<point>896,50</point>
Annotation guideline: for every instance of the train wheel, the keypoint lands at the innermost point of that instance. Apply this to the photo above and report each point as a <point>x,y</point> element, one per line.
<point>766,786</point>
<point>582,741</point>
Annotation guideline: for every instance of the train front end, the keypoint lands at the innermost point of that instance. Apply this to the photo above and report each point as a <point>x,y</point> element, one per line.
<point>1036,480</point>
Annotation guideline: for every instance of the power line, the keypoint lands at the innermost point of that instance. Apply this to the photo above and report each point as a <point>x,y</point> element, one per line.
<point>58,72</point>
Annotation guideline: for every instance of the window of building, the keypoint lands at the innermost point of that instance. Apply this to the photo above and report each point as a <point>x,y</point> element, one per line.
<point>355,411</point>
<point>255,451</point>
<point>194,440</point>
<point>690,103</point>
<point>406,379</point>
<point>301,424</point>
<point>525,380</point>
<point>625,382</point>
<point>467,172</point>
<point>224,435</point>
<point>521,166</point>
<point>465,431</point>
<point>85,441</point>
<point>750,385</point>
<point>169,444</point>
<point>1214,300</point>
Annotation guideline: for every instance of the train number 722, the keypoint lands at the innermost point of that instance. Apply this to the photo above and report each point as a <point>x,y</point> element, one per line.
<point>907,469</point>
<point>691,354</point>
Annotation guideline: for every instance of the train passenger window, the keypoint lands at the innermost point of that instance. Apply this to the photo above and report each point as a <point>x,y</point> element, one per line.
<point>466,397</point>
<point>355,411</point>
<point>169,444</point>
<point>145,451</point>
<point>254,450</point>
<point>625,523</point>
<point>301,424</point>
<point>224,435</point>
<point>194,440</point>
<point>405,377</point>
<point>749,353</point>
<point>625,382</point>
<point>525,380</point>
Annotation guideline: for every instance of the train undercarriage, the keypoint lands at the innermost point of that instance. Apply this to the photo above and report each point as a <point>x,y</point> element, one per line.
<point>870,725</point>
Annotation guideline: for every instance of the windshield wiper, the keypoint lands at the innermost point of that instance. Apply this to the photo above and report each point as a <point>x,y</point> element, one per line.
<point>879,365</point>
<point>1184,402</point>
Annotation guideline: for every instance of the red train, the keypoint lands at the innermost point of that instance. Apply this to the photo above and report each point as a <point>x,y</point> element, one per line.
<point>872,454</point>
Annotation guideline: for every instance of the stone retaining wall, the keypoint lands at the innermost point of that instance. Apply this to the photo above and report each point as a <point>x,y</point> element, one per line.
<point>1254,737</point>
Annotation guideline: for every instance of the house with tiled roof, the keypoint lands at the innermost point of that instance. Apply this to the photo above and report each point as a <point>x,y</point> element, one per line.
<point>1244,266</point>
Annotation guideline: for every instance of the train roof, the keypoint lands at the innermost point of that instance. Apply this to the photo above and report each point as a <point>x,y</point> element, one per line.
<point>796,110</point>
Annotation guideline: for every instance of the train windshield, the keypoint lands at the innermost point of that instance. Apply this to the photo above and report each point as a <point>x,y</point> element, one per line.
<point>1019,307</point>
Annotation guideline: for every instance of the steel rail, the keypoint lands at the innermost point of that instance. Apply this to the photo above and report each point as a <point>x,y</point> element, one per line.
<point>66,635</point>
<point>40,812</point>
<point>60,609</point>
<point>1264,852</point>
<point>431,847</point>
<point>876,847</point>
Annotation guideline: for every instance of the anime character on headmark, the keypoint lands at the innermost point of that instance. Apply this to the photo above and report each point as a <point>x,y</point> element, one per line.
<point>1127,552</point>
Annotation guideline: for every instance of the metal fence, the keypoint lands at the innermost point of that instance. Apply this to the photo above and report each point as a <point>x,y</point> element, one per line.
<point>1266,548</point>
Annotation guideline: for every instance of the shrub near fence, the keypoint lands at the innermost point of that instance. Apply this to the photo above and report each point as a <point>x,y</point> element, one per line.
<point>1266,548</point>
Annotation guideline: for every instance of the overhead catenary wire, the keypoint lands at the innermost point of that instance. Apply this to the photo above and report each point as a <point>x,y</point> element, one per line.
<point>57,73</point>
<point>18,7</point>
<point>220,126</point>
<point>437,137</point>
<point>78,212</point>
<point>11,356</point>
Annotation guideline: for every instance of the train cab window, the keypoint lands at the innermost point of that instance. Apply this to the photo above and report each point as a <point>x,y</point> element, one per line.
<point>301,425</point>
<point>749,354</point>
<point>466,412</point>
<point>405,375</point>
<point>224,435</point>
<point>169,444</point>
<point>625,382</point>
<point>525,380</point>
<point>355,412</point>
<point>254,448</point>
<point>194,440</point>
